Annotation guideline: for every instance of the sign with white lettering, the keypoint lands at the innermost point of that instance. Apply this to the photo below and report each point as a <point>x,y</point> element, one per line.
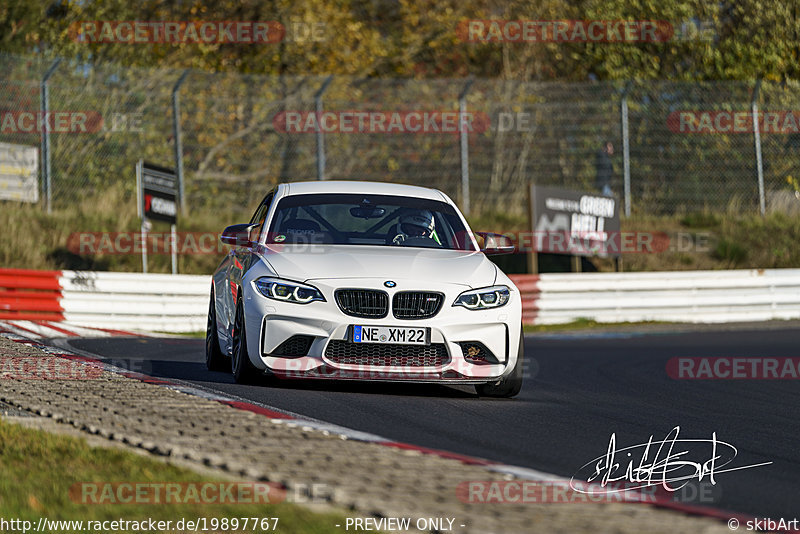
<point>159,193</point>
<point>19,170</point>
<point>573,222</point>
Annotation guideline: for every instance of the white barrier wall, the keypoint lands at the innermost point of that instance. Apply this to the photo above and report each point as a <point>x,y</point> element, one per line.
<point>685,296</point>
<point>131,301</point>
<point>162,302</point>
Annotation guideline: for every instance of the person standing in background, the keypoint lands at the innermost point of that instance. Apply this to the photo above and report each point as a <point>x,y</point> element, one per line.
<point>605,169</point>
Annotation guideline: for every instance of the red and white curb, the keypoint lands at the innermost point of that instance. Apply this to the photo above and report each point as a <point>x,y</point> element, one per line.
<point>280,416</point>
<point>52,330</point>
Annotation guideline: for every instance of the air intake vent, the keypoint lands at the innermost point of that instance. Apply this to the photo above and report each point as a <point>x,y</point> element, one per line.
<point>386,355</point>
<point>366,303</point>
<point>416,304</point>
<point>295,346</point>
<point>477,353</point>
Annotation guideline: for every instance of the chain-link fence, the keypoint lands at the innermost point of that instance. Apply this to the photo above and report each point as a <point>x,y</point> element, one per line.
<point>242,134</point>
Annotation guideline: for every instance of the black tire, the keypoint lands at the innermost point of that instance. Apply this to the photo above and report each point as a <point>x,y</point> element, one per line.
<point>242,368</point>
<point>215,359</point>
<point>509,385</point>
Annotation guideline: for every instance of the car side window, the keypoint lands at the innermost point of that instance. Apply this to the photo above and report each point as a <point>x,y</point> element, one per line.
<point>261,213</point>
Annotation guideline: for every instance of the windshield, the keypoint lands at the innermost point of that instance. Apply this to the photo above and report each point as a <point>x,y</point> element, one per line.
<point>384,220</point>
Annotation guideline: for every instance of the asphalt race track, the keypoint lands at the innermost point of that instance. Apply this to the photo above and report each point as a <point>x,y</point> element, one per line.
<point>583,388</point>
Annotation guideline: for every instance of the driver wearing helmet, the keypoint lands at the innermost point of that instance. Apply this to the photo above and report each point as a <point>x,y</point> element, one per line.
<point>416,224</point>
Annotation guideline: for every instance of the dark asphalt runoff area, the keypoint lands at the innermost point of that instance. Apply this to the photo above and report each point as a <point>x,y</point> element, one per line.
<point>580,388</point>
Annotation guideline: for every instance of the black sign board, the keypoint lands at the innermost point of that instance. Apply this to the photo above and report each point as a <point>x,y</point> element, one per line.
<point>159,187</point>
<point>574,222</point>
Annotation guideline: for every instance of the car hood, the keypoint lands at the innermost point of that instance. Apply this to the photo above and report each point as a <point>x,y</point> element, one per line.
<point>305,263</point>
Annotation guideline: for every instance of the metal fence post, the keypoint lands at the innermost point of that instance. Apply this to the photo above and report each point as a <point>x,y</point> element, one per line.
<point>320,136</point>
<point>140,211</point>
<point>757,140</point>
<point>626,153</point>
<point>45,94</point>
<point>462,111</point>
<point>176,129</point>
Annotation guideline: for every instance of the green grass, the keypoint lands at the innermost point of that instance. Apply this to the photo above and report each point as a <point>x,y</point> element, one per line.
<point>713,241</point>
<point>33,239</point>
<point>37,470</point>
<point>730,252</point>
<point>701,220</point>
<point>196,335</point>
<point>580,324</point>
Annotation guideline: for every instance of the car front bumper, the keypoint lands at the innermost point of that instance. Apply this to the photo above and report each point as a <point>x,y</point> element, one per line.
<point>498,330</point>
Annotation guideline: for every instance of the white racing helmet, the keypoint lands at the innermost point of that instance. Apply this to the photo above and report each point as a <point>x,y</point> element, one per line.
<point>418,224</point>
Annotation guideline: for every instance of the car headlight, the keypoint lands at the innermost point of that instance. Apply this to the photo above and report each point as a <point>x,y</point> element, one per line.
<point>484,298</point>
<point>278,289</point>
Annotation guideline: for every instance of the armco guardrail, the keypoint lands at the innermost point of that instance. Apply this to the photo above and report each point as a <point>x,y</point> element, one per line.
<point>167,303</point>
<point>684,296</point>
<point>161,302</point>
<point>130,301</point>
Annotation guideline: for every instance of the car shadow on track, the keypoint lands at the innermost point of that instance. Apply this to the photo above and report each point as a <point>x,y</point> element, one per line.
<point>197,372</point>
<point>371,388</point>
<point>183,359</point>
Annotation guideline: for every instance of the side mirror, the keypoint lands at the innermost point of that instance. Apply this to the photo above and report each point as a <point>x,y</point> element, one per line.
<point>238,235</point>
<point>496,243</point>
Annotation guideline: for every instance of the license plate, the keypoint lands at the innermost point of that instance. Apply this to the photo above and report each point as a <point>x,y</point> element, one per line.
<point>391,334</point>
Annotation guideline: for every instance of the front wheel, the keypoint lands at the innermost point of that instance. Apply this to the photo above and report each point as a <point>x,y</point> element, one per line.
<point>243,370</point>
<point>509,385</point>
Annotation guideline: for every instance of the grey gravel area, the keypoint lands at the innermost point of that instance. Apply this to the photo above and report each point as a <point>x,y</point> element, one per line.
<point>369,479</point>
<point>7,411</point>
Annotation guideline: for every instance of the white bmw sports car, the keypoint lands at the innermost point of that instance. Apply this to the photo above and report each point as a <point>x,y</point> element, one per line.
<point>364,281</point>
